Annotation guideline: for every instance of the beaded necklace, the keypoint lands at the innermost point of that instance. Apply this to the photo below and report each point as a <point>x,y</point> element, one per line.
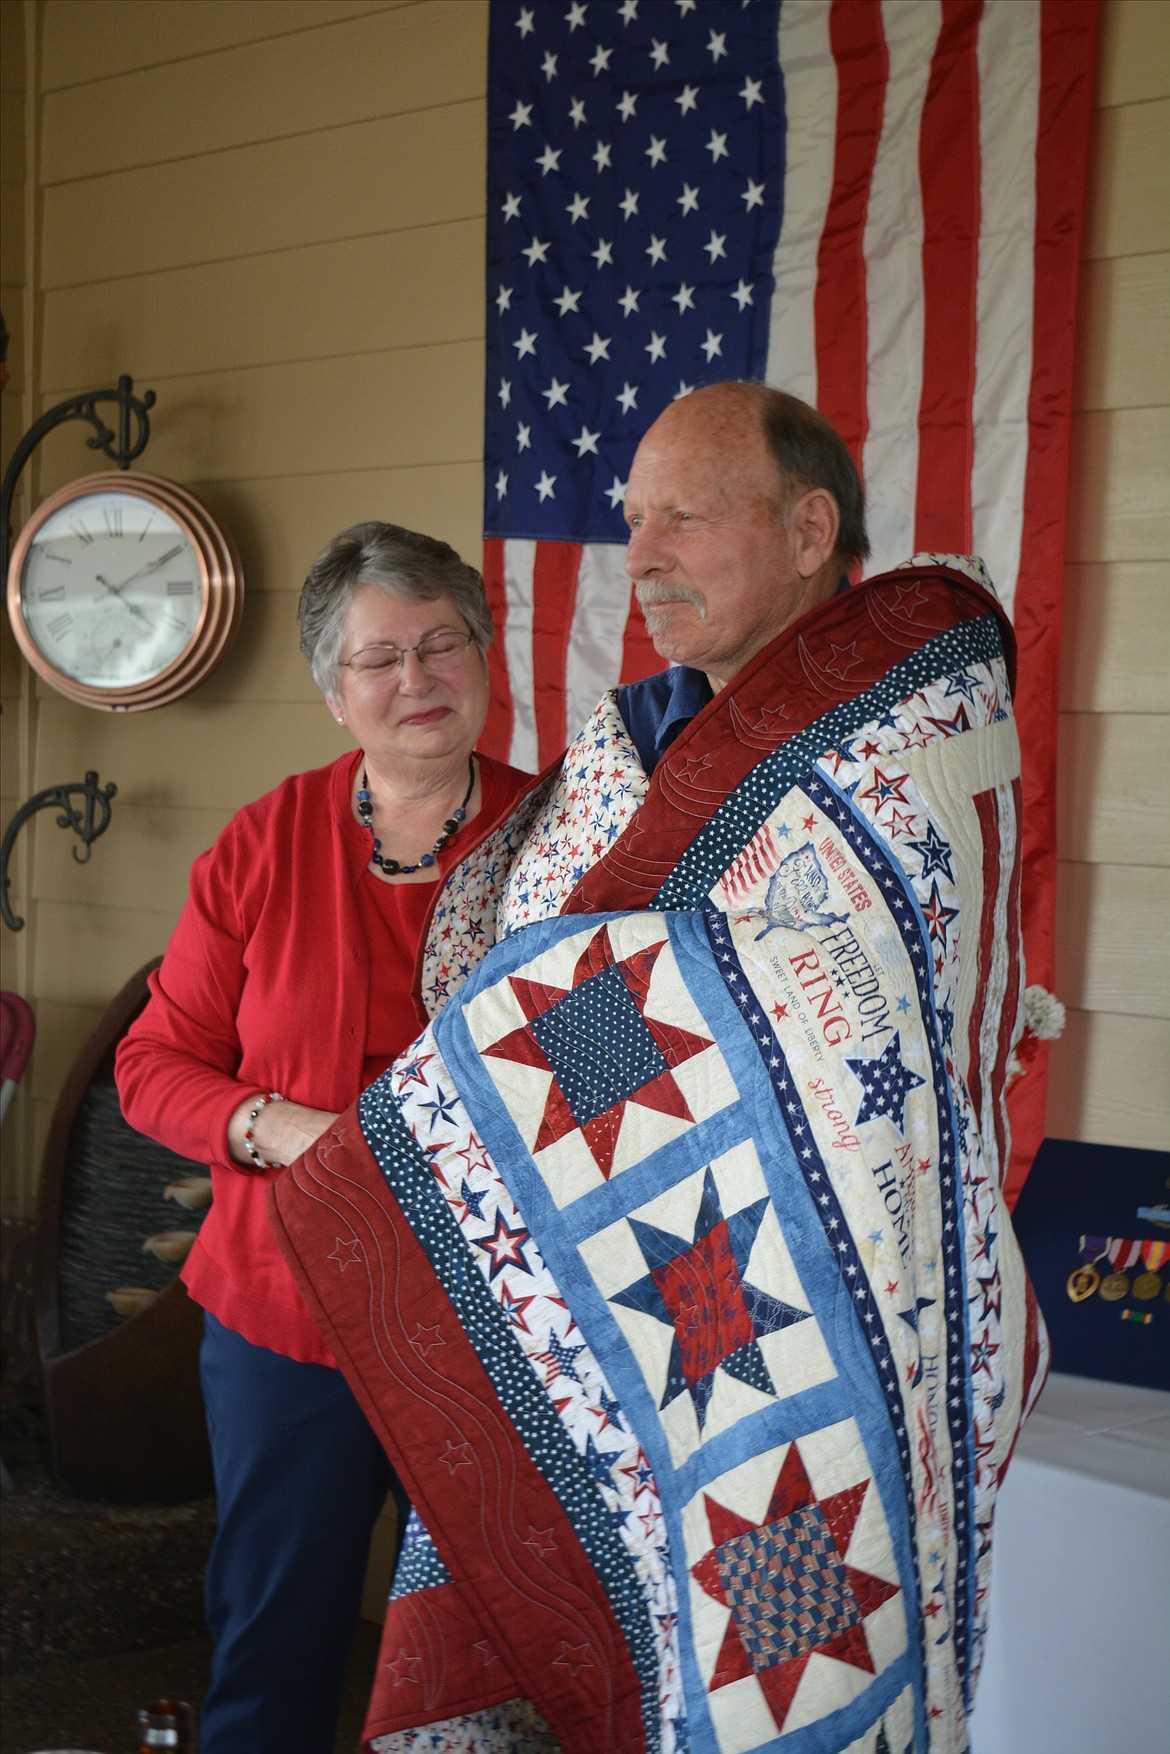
<point>365,809</point>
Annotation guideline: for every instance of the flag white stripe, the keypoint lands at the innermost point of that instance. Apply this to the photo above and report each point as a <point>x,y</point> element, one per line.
<point>519,565</point>
<point>1009,88</point>
<point>895,299</point>
<point>599,624</point>
<point>810,99</point>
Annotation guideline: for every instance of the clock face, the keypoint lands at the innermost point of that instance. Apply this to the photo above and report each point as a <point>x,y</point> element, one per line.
<point>112,589</point>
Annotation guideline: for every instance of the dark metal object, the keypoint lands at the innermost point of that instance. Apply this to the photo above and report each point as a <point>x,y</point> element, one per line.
<point>119,447</point>
<point>86,822</point>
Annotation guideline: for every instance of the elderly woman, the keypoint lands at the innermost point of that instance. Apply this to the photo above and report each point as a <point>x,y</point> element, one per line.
<point>289,985</point>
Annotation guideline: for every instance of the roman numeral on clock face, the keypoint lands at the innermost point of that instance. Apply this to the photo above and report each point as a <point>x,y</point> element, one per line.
<point>180,587</point>
<point>60,626</point>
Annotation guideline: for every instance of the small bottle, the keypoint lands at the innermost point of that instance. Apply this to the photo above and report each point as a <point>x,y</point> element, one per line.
<point>166,1723</point>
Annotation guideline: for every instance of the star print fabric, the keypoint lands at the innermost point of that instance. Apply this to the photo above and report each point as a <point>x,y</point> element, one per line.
<point>710,1267</point>
<point>615,282</point>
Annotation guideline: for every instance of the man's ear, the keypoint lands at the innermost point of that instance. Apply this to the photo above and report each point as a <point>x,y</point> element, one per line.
<point>815,523</point>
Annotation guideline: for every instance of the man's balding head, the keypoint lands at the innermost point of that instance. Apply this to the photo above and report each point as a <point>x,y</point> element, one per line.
<point>744,510</point>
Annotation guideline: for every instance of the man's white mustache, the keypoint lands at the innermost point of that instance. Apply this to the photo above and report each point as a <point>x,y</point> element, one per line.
<point>652,591</point>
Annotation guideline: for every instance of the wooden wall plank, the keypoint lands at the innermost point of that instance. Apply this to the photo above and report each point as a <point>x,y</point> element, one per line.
<point>282,523</point>
<point>350,181</point>
<point>209,760</point>
<point>12,252</point>
<point>358,295</point>
<point>1133,52</point>
<point>1118,505</point>
<point>1123,339</point>
<point>83,955</point>
<point>1113,939</point>
<point>85,40</point>
<point>12,62</point>
<point>1112,803</point>
<point>412,407</point>
<point>1129,181</point>
<point>147,851</point>
<point>379,64</point>
<point>1115,645</point>
<point>12,159</point>
<point>1109,1081</point>
<point>62,1031</point>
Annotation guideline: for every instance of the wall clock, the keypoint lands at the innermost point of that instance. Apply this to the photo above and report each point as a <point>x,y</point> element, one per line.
<point>124,591</point>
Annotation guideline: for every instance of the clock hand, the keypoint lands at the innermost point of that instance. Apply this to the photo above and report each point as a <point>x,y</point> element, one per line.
<point>151,566</point>
<point>117,592</point>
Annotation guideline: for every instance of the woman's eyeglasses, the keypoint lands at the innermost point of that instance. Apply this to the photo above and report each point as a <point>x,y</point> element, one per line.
<point>439,651</point>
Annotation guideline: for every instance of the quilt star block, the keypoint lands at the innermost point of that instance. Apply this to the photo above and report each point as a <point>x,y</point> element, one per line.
<point>793,1563</point>
<point>703,1287</point>
<point>579,1047</point>
<point>699,1287</point>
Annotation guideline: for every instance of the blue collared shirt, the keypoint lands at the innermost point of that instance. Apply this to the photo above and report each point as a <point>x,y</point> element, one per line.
<point>656,709</point>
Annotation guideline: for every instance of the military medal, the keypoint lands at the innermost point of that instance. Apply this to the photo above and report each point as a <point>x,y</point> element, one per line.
<point>1084,1280</point>
<point>1123,1252</point>
<point>1147,1285</point>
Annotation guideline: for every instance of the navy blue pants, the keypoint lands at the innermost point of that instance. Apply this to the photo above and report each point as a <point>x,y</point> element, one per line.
<point>300,1479</point>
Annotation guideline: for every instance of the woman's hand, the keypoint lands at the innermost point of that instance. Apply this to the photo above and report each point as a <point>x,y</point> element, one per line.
<point>280,1132</point>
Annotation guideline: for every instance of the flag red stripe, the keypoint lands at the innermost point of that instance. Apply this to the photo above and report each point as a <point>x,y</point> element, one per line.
<point>638,655</point>
<point>554,594</point>
<point>497,730</point>
<point>1067,43</point>
<point>948,168</point>
<point>859,49</point>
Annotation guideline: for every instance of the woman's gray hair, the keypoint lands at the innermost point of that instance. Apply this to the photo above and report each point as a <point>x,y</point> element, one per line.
<point>403,562</point>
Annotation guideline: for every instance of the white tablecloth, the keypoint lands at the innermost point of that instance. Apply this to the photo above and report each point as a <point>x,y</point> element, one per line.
<point>1078,1652</point>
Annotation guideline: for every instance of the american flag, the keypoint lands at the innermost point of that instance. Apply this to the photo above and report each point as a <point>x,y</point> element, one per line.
<point>874,204</point>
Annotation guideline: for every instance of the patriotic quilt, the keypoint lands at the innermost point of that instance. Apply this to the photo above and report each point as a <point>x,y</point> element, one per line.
<point>873,204</point>
<point>670,1262</point>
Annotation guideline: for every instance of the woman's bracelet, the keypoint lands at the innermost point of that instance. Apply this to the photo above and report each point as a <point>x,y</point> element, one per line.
<point>249,1140</point>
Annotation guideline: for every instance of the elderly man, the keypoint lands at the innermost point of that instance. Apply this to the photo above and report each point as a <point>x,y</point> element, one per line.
<point>670,1263</point>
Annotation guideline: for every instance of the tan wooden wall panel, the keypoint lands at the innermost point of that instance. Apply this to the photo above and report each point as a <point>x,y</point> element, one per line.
<point>1115,646</point>
<point>1113,806</point>
<point>418,406</point>
<point>1113,939</point>
<point>145,854</point>
<point>1129,181</point>
<point>355,69</point>
<point>395,289</point>
<point>1109,1081</point>
<point>11,132</point>
<point>282,524</point>
<point>85,954</point>
<point>265,663</point>
<point>92,39</point>
<point>12,238</point>
<point>1123,344</point>
<point>62,1031</point>
<point>192,753</point>
<point>1133,52</point>
<point>1119,508</point>
<point>350,181</point>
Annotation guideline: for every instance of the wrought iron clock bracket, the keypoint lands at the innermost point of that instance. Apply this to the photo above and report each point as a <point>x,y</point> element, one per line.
<point>121,447</point>
<point>88,817</point>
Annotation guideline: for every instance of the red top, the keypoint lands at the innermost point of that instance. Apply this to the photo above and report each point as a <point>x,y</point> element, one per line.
<point>266,986</point>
